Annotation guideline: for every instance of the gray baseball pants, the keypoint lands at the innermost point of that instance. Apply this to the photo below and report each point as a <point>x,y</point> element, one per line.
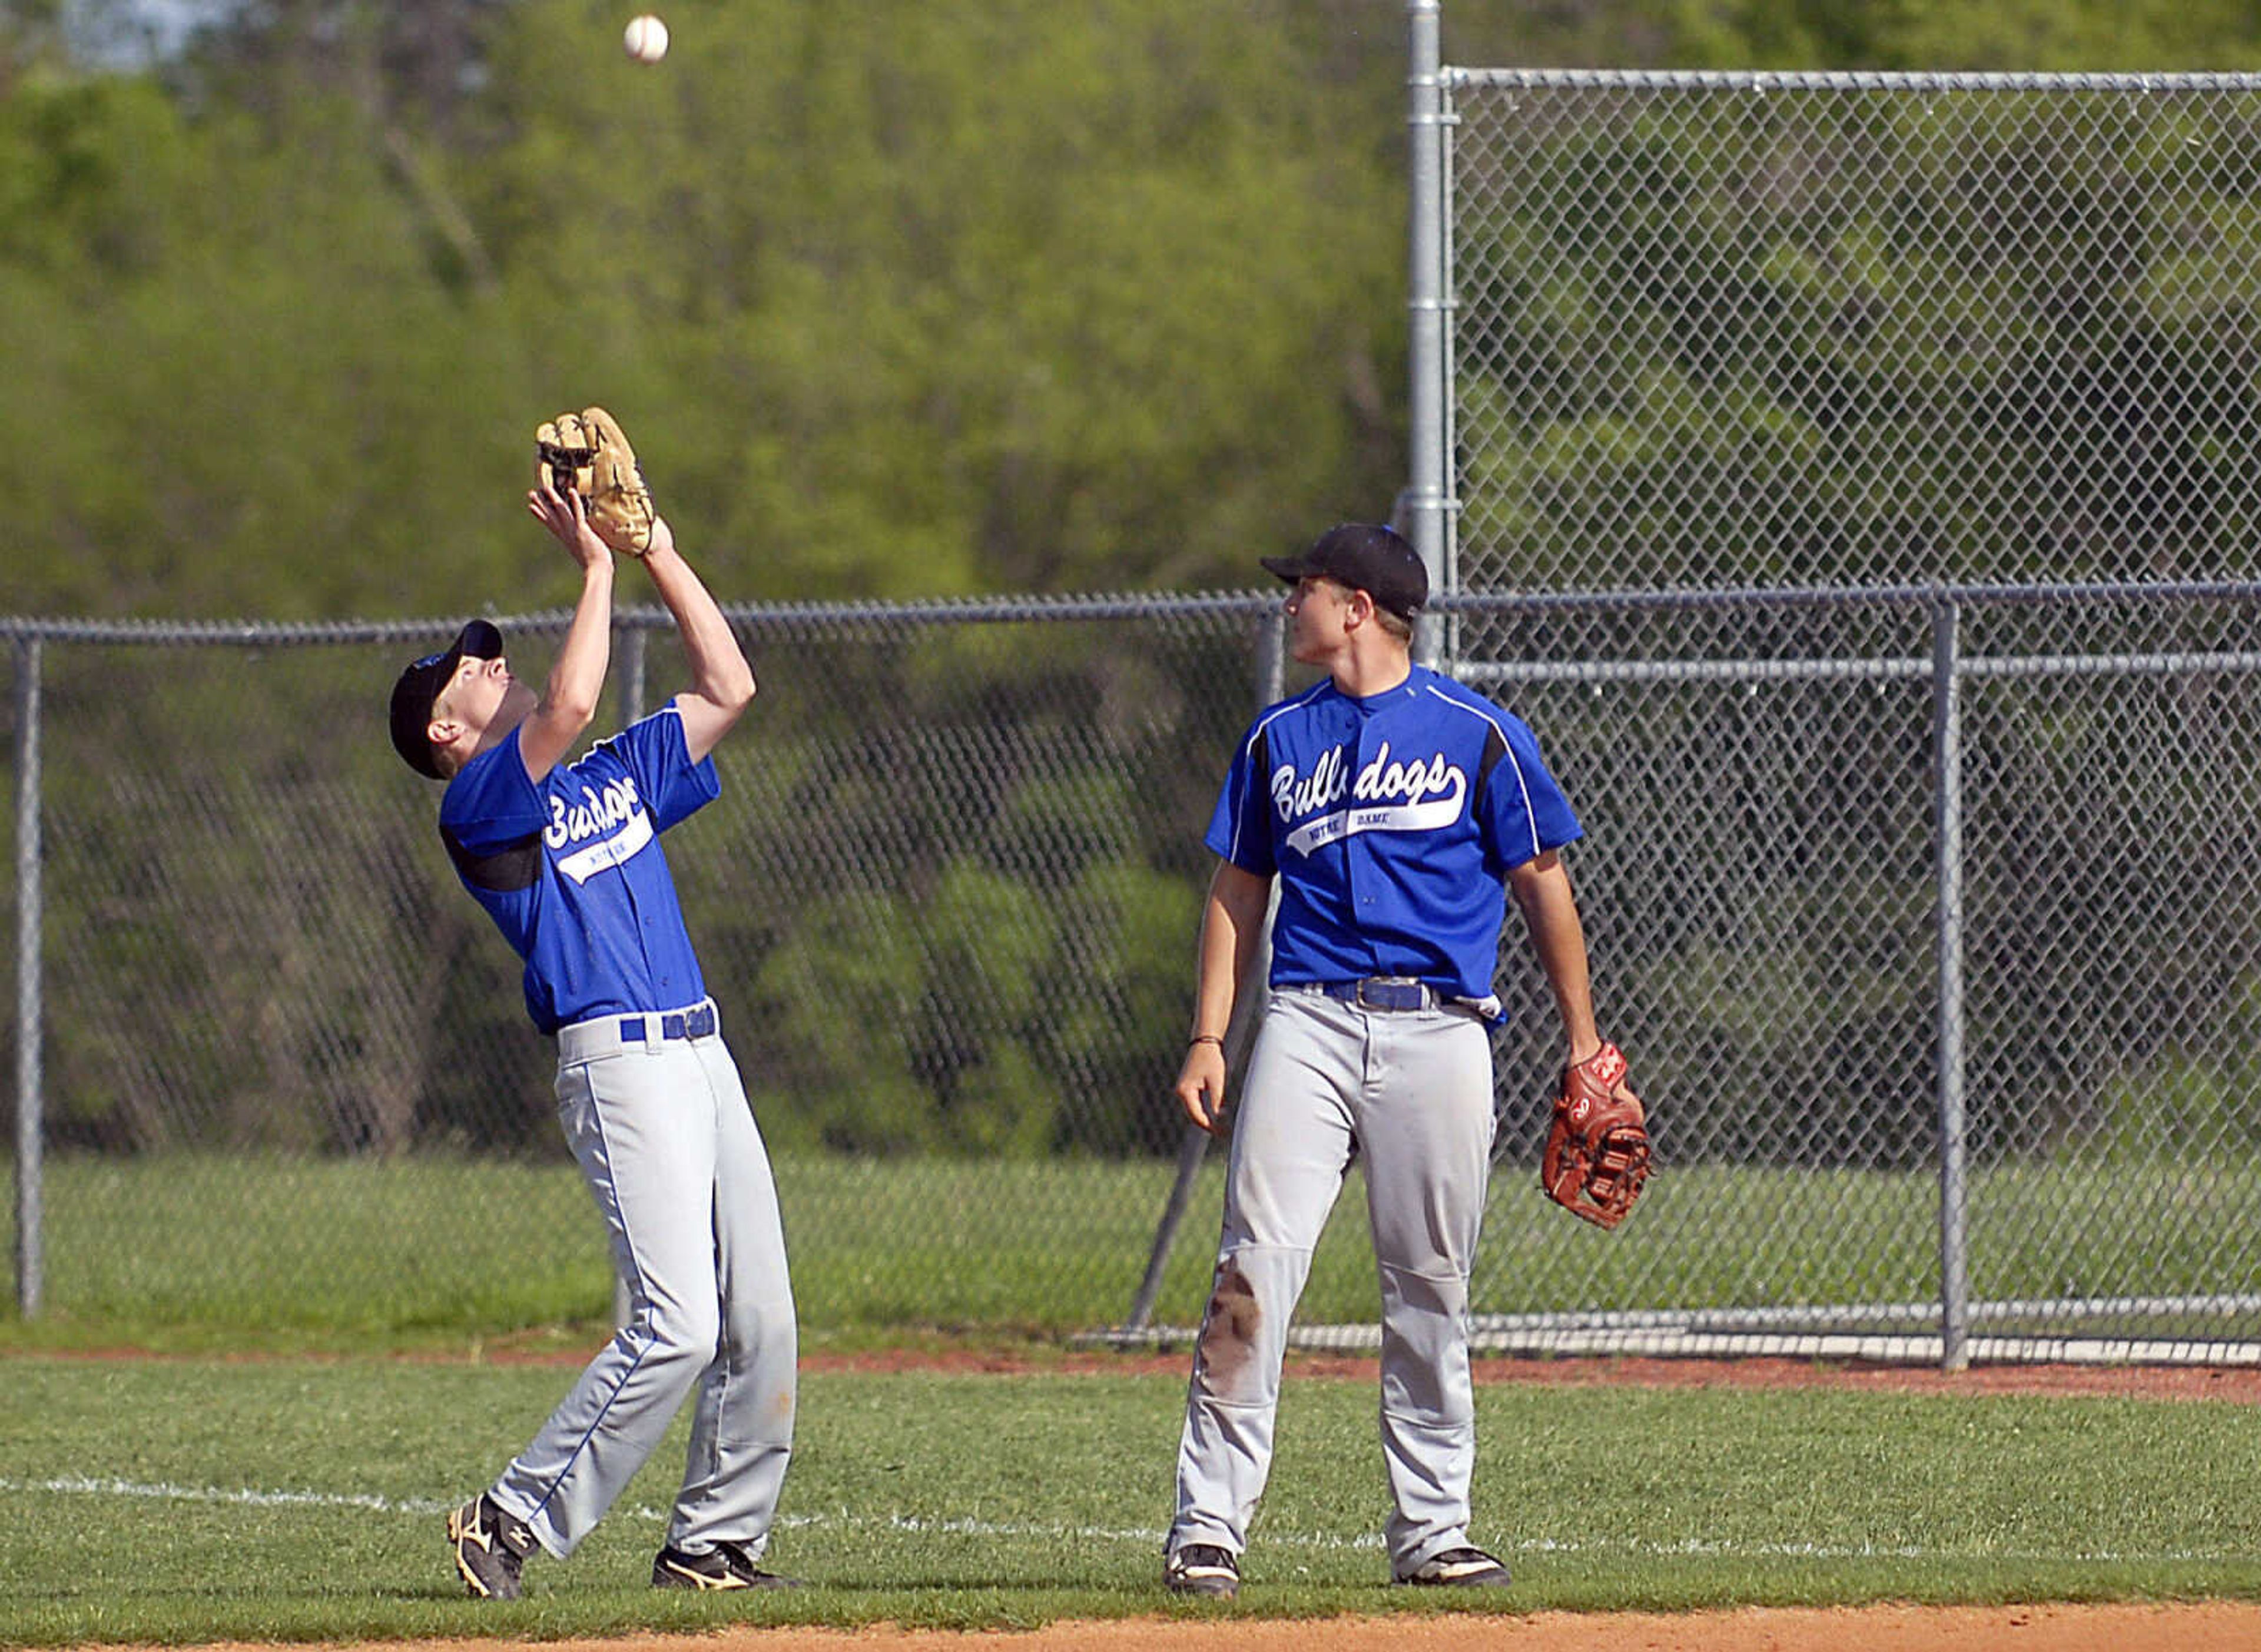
<point>667,1142</point>
<point>1411,1092</point>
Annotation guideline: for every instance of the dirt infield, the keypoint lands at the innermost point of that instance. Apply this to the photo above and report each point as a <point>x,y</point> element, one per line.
<point>2236,1384</point>
<point>2214,1627</point>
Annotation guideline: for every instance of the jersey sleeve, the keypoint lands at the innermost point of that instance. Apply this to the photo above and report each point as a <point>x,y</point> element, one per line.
<point>491,805</point>
<point>1522,811</point>
<point>671,785</point>
<point>1240,826</point>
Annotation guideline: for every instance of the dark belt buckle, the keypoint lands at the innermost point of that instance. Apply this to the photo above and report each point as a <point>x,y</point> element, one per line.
<point>1391,994</point>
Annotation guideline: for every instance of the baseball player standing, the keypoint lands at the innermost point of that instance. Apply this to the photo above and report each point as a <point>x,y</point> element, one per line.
<point>566,859</point>
<point>1395,809</point>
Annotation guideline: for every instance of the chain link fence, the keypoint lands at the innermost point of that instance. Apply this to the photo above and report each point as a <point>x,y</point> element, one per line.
<point>947,902</point>
<point>1749,329</point>
<point>1932,898</point>
<point>1711,332</point>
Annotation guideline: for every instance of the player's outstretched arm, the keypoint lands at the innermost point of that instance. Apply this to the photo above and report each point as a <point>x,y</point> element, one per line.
<point>577,677</point>
<point>1232,922</point>
<point>721,680</point>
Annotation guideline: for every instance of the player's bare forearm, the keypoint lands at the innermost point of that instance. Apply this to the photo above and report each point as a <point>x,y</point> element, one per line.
<point>1542,891</point>
<point>721,679</point>
<point>576,677</point>
<point>1232,921</point>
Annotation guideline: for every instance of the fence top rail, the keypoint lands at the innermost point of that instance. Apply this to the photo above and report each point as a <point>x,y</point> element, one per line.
<point>939,611</point>
<point>1844,79</point>
<point>1988,594</point>
<point>1130,606</point>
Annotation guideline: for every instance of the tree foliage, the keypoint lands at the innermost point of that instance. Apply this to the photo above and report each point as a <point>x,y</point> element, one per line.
<point>899,301</point>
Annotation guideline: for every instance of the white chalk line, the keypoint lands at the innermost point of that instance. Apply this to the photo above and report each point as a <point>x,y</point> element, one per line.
<point>1151,1537</point>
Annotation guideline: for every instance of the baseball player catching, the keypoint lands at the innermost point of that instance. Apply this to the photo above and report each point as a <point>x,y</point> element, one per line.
<point>565,858</point>
<point>1396,810</point>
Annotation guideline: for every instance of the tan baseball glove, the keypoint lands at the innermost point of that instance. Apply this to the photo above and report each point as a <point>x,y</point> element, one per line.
<point>587,452</point>
<point>1597,1155</point>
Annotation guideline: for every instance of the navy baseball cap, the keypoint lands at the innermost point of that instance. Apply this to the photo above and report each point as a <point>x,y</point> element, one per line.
<point>420,684</point>
<point>1366,556</point>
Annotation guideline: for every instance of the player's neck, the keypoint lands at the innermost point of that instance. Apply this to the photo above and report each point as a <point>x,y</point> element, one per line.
<point>1362,673</point>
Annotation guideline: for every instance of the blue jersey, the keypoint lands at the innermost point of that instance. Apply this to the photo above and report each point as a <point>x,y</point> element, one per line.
<point>1391,824</point>
<point>570,869</point>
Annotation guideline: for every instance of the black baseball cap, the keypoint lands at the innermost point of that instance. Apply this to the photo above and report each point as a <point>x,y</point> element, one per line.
<point>1366,556</point>
<point>420,684</point>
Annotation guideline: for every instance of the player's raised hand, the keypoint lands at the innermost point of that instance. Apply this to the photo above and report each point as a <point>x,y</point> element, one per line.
<point>1201,1085</point>
<point>567,519</point>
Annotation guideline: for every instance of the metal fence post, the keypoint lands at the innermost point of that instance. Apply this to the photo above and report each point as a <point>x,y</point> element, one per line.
<point>1954,1214</point>
<point>1426,302</point>
<point>1193,1146</point>
<point>627,670</point>
<point>30,1104</point>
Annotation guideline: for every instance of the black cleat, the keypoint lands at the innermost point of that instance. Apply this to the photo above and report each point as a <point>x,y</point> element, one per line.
<point>1202,1568</point>
<point>724,1566</point>
<point>1460,1569</point>
<point>491,1548</point>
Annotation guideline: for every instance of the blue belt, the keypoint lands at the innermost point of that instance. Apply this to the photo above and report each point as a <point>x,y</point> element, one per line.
<point>1382,992</point>
<point>682,1024</point>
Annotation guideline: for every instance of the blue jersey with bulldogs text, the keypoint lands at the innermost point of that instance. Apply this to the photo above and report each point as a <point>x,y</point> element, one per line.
<point>1391,822</point>
<point>570,869</point>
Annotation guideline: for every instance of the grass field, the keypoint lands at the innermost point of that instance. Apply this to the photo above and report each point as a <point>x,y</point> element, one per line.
<point>300,1496</point>
<point>211,1253</point>
<point>177,1501</point>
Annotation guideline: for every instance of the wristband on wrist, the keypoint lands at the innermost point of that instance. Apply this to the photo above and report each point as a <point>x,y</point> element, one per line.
<point>1206,1038</point>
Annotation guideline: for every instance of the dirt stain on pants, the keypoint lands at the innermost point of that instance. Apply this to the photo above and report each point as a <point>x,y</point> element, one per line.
<point>1228,1338</point>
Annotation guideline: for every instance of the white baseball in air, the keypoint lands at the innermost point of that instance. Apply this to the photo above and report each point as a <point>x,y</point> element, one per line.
<point>646,39</point>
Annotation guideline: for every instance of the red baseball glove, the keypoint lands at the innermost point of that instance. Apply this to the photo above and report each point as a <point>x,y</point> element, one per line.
<point>1597,1147</point>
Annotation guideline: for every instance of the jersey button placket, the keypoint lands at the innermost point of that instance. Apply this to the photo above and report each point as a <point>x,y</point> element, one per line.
<point>1356,850</point>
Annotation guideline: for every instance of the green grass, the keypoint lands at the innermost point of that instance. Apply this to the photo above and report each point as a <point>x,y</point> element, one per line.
<point>209,1253</point>
<point>175,1502</point>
